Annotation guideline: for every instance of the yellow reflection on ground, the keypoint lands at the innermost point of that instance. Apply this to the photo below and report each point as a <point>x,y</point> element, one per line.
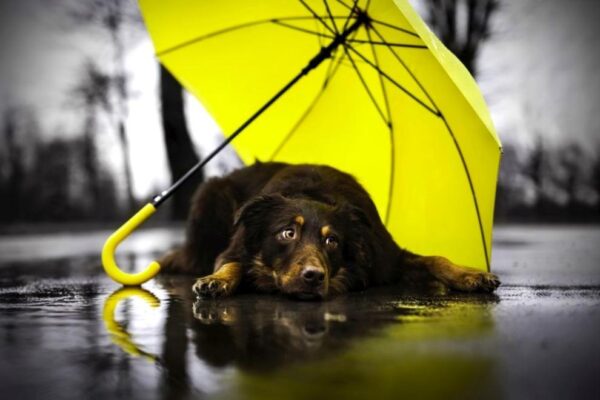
<point>118,334</point>
<point>419,353</point>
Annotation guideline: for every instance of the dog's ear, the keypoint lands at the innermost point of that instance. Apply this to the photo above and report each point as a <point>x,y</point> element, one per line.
<point>357,218</point>
<point>255,210</point>
<point>358,249</point>
<point>254,216</point>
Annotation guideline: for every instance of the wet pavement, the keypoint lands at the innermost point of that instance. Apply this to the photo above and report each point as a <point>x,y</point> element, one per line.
<point>68,332</point>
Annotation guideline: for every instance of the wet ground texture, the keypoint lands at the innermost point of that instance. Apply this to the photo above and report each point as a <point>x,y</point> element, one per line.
<point>68,332</point>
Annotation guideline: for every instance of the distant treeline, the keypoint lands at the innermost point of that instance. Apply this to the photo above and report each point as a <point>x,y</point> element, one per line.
<point>60,179</point>
<point>65,180</point>
<point>549,183</point>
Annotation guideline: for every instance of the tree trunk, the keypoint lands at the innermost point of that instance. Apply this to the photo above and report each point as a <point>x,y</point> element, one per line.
<point>90,163</point>
<point>126,166</point>
<point>12,201</point>
<point>180,149</point>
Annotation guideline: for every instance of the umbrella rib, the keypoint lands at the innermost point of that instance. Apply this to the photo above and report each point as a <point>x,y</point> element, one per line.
<point>364,83</point>
<point>315,15</point>
<point>466,168</point>
<point>210,35</point>
<point>297,28</point>
<point>332,69</point>
<point>406,45</point>
<point>372,20</point>
<point>457,146</point>
<point>357,41</point>
<point>391,134</point>
<point>383,90</point>
<point>393,81</point>
<point>331,17</point>
<point>319,28</point>
<point>232,29</point>
<point>344,4</point>
<point>399,59</point>
<point>354,3</point>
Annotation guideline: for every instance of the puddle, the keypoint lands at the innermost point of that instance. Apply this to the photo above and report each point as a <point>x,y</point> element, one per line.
<point>67,331</point>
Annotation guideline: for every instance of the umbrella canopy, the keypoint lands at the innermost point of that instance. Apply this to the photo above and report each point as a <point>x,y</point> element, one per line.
<point>387,103</point>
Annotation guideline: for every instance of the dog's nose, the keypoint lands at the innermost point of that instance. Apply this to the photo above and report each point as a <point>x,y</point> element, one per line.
<point>313,275</point>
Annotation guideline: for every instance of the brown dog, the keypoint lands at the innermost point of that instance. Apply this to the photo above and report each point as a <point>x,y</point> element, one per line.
<point>307,231</point>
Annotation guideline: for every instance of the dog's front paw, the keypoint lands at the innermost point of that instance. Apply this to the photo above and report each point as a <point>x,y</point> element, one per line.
<point>211,286</point>
<point>478,282</point>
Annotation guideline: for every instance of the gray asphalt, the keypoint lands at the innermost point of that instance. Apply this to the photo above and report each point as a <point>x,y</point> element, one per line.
<point>68,332</point>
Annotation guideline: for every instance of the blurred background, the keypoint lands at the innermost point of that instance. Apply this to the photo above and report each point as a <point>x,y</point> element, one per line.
<point>91,126</point>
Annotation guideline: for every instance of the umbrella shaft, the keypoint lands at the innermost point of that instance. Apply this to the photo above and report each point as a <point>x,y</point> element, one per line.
<point>324,54</point>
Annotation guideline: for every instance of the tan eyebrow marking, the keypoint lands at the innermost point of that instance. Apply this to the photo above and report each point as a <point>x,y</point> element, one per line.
<point>325,231</point>
<point>299,220</point>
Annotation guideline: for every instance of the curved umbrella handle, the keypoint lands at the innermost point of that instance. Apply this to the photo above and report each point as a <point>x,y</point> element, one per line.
<point>108,252</point>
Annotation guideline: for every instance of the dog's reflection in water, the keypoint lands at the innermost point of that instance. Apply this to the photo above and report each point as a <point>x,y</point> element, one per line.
<point>259,332</point>
<point>262,332</point>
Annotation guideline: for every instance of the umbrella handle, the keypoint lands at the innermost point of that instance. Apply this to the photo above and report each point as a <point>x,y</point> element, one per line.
<point>108,251</point>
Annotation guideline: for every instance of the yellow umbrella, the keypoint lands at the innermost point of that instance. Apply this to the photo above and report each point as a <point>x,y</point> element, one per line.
<point>363,86</point>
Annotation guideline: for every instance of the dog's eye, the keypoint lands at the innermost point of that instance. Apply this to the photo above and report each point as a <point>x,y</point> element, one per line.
<point>288,234</point>
<point>331,242</point>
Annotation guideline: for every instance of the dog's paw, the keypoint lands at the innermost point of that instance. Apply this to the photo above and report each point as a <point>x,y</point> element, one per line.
<point>211,287</point>
<point>478,282</point>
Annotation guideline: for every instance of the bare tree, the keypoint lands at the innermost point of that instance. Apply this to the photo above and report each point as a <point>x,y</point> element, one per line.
<point>596,177</point>
<point>509,194</point>
<point>55,178</point>
<point>11,200</point>
<point>462,25</point>
<point>534,168</point>
<point>571,158</point>
<point>92,94</point>
<point>19,137</point>
<point>113,16</point>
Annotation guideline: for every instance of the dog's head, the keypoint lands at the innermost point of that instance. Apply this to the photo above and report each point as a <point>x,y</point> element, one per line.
<point>305,248</point>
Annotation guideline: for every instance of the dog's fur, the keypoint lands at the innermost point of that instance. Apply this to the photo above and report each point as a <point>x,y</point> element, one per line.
<point>308,231</point>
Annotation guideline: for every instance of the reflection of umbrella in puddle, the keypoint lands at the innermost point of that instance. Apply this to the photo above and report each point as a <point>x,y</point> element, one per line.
<point>362,86</point>
<point>118,334</point>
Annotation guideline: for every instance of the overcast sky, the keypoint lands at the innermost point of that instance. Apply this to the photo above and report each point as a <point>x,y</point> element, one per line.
<point>538,72</point>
